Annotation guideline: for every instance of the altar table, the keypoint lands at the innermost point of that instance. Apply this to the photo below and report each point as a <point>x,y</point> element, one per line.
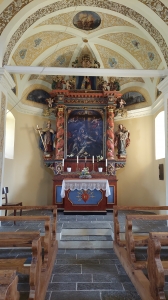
<point>85,194</point>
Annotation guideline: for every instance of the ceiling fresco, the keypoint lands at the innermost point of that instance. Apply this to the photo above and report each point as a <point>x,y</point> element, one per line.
<point>35,45</point>
<point>117,34</point>
<point>141,49</point>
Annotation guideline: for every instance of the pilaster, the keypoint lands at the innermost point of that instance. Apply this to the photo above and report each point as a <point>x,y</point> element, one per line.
<point>6,84</point>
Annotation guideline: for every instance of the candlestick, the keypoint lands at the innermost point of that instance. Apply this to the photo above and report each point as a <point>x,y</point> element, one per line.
<point>63,162</point>
<point>93,159</point>
<point>77,168</point>
<point>77,159</point>
<point>106,171</point>
<point>106,162</point>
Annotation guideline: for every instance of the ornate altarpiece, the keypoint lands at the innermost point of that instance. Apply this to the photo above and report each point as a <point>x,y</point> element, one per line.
<point>93,112</point>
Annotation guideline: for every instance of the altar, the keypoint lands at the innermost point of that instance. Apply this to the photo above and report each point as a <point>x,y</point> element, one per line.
<point>97,194</point>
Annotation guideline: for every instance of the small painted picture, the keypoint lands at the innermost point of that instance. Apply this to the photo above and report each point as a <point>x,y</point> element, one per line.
<point>86,20</point>
<point>133,98</point>
<point>84,133</point>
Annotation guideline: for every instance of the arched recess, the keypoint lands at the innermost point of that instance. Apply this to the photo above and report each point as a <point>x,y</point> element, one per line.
<point>10,135</point>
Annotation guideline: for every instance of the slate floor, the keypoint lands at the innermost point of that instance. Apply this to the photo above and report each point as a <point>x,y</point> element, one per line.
<point>83,274</point>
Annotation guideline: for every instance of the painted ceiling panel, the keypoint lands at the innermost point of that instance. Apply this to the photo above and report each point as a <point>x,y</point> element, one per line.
<point>141,49</point>
<point>33,46</point>
<point>112,59</point>
<point>60,58</point>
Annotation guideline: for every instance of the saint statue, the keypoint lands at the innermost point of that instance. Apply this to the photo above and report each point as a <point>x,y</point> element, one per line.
<point>47,138</point>
<point>122,140</point>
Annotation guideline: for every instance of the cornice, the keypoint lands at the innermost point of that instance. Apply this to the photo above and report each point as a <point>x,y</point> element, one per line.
<point>163,86</point>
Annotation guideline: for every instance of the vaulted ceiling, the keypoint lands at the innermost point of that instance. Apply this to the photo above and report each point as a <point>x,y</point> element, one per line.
<point>121,34</point>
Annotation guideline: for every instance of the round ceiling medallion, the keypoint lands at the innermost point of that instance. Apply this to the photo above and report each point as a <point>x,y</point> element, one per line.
<point>86,20</point>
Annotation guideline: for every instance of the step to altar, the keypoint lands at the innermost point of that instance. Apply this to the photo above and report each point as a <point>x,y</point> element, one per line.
<point>85,238</point>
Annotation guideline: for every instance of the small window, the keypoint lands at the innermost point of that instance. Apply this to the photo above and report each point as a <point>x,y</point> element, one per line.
<point>160,136</point>
<point>10,135</point>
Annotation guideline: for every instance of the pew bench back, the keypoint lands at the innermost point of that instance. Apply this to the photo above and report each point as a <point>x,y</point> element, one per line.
<point>17,264</point>
<point>132,241</point>
<point>8,285</point>
<point>136,209</point>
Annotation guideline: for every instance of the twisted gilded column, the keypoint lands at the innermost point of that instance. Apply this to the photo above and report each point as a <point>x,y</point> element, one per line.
<point>110,133</point>
<point>59,132</point>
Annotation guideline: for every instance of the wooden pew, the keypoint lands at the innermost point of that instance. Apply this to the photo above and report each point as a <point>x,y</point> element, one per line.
<point>49,243</point>
<point>35,269</point>
<point>157,268</point>
<point>117,208</point>
<point>126,254</point>
<point>8,285</point>
<point>53,208</point>
<point>133,241</point>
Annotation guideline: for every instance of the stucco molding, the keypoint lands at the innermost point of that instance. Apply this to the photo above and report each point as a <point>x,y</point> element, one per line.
<point>6,81</point>
<point>163,86</point>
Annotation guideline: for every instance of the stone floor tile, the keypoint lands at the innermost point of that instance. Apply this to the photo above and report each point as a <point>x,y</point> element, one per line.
<point>109,261</point>
<point>99,269</point>
<point>72,278</point>
<point>110,278</point>
<point>128,286</point>
<point>86,255</point>
<point>119,295</point>
<point>67,269</point>
<point>76,261</point>
<point>120,269</point>
<point>66,256</point>
<point>78,295</point>
<point>100,286</point>
<point>61,286</point>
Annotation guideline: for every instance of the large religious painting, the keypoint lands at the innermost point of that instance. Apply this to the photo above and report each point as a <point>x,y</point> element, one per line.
<point>86,20</point>
<point>133,98</point>
<point>84,133</point>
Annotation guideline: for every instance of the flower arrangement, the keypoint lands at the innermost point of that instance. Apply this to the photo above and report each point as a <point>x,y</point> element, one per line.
<point>85,173</point>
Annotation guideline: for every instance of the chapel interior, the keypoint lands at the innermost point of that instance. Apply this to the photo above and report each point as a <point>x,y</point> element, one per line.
<point>96,66</point>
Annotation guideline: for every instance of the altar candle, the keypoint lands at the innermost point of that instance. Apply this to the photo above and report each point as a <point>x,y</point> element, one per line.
<point>93,159</point>
<point>77,159</point>
<point>106,162</point>
<point>63,162</point>
<point>85,158</point>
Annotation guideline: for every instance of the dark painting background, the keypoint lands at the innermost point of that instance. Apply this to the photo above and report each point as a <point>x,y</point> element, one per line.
<point>84,133</point>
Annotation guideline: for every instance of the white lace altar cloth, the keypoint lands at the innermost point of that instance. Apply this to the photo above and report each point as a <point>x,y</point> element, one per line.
<point>85,184</point>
